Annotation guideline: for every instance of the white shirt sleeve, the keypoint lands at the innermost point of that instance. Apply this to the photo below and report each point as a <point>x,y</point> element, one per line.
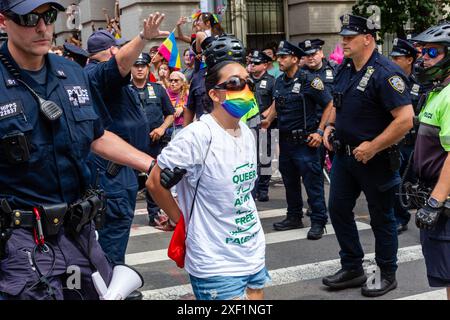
<point>187,151</point>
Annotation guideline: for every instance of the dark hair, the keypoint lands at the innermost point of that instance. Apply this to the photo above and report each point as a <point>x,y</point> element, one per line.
<point>216,28</point>
<point>211,80</point>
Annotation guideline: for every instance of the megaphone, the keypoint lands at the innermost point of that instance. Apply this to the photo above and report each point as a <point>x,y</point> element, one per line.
<point>125,280</point>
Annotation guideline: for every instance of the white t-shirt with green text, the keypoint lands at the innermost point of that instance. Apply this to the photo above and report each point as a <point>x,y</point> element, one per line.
<point>225,236</point>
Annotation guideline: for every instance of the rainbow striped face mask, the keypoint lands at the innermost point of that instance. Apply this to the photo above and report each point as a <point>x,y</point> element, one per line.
<point>239,98</point>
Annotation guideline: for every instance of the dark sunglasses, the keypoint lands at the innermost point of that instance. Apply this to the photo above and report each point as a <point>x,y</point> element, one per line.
<point>32,19</point>
<point>236,84</point>
<point>432,52</point>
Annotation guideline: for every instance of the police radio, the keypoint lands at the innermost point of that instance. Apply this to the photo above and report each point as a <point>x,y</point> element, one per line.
<point>48,108</point>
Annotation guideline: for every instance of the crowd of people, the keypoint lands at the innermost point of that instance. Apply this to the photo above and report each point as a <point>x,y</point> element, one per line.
<point>77,136</point>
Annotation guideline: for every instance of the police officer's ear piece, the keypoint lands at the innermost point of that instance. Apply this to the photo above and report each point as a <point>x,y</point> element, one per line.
<point>169,178</point>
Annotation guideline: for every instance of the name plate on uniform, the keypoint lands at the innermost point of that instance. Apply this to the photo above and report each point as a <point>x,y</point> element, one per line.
<point>365,79</point>
<point>263,84</point>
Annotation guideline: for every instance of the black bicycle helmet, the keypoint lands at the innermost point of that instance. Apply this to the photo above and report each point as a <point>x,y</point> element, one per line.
<point>439,34</point>
<point>224,48</point>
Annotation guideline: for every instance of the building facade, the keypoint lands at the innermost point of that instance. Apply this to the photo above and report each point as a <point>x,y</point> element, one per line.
<point>256,22</point>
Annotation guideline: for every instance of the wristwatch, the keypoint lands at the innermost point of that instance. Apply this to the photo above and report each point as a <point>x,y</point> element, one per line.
<point>319,131</point>
<point>329,124</point>
<point>434,203</point>
<point>151,166</point>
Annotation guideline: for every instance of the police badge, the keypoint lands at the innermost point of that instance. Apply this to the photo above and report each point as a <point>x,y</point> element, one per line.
<point>307,44</point>
<point>397,83</point>
<point>346,20</point>
<point>317,84</point>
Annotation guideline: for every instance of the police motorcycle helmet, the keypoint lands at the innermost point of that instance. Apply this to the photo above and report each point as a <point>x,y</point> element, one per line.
<point>439,34</point>
<point>224,48</point>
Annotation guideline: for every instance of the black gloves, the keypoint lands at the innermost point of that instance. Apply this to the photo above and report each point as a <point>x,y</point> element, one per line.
<point>427,217</point>
<point>169,178</point>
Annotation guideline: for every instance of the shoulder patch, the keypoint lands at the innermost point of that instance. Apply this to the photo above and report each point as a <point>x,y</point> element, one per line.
<point>397,83</point>
<point>317,84</point>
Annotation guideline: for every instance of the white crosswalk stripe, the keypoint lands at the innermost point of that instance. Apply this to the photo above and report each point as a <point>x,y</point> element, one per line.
<point>283,275</point>
<point>274,237</point>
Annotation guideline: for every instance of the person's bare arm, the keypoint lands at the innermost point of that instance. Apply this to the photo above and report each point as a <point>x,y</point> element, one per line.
<point>188,117</point>
<point>199,39</point>
<point>270,115</point>
<point>157,133</point>
<point>402,123</point>
<point>113,148</point>
<point>105,12</point>
<point>128,54</point>
<point>162,196</point>
<point>117,11</point>
<point>181,36</point>
<point>327,131</point>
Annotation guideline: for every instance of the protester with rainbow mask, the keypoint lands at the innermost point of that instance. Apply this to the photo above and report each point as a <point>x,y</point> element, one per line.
<point>225,245</point>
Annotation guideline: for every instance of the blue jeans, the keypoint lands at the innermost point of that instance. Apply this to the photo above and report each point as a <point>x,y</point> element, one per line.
<point>227,287</point>
<point>298,161</point>
<point>348,178</point>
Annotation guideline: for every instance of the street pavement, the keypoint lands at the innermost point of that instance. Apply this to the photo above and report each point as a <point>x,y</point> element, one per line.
<point>295,263</point>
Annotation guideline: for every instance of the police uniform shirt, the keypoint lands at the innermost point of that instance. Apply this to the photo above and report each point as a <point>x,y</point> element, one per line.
<point>264,88</point>
<point>56,171</point>
<point>327,73</point>
<point>155,102</point>
<point>368,97</point>
<point>106,81</point>
<point>416,90</point>
<point>289,103</point>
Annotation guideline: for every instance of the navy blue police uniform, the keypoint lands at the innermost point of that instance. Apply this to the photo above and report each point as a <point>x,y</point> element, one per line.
<point>295,102</point>
<point>364,100</point>
<point>156,106</point>
<point>119,182</point>
<point>43,174</point>
<point>406,49</point>
<point>326,73</point>
<point>264,89</point>
<point>197,90</point>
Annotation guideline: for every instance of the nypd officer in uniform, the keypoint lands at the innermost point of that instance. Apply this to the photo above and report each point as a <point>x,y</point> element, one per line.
<point>152,99</point>
<point>372,111</point>
<point>48,125</point>
<point>264,85</point>
<point>296,95</point>
<point>75,53</point>
<point>404,55</point>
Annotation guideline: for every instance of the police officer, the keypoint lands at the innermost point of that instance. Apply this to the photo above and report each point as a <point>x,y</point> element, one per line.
<point>432,156</point>
<point>264,85</point>
<point>372,111</point>
<point>153,101</point>
<point>48,125</point>
<point>316,63</point>
<point>404,55</point>
<point>296,95</point>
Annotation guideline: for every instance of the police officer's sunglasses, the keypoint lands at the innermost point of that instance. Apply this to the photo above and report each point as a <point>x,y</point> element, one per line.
<point>236,84</point>
<point>432,52</point>
<point>32,19</point>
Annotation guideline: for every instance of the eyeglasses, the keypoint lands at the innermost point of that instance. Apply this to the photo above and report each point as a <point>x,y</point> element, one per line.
<point>236,84</point>
<point>32,19</point>
<point>174,80</point>
<point>432,52</point>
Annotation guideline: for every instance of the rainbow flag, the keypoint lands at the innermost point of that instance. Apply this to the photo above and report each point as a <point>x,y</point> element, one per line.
<point>169,51</point>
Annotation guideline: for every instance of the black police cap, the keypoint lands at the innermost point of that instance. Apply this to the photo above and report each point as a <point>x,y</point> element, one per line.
<point>72,49</point>
<point>311,46</point>
<point>353,25</point>
<point>285,47</point>
<point>403,48</point>
<point>144,58</point>
<point>259,57</point>
<point>26,6</point>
